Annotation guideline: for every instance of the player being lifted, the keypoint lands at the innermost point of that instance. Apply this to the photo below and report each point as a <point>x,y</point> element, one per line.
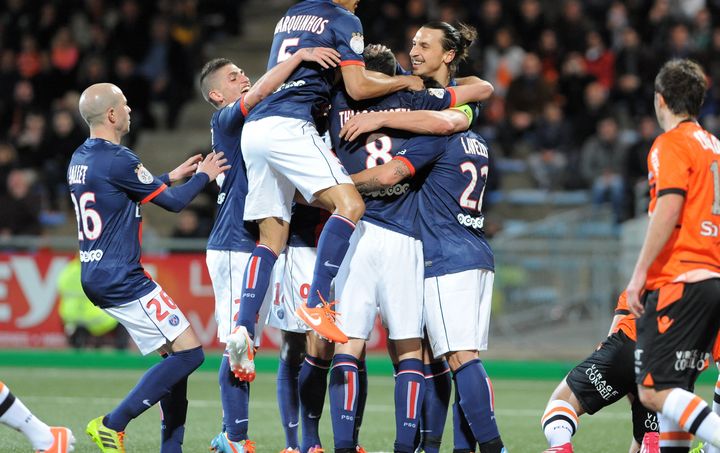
<point>675,286</point>
<point>228,89</point>
<point>437,50</point>
<point>294,156</point>
<point>603,378</point>
<point>108,183</point>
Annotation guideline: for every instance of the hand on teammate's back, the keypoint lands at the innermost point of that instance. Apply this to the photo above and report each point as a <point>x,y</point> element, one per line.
<point>324,56</point>
<point>185,169</point>
<point>415,83</point>
<point>360,124</point>
<point>213,165</point>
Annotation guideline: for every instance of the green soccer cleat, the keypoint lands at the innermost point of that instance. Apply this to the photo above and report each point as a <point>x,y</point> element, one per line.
<point>109,440</point>
<point>698,449</point>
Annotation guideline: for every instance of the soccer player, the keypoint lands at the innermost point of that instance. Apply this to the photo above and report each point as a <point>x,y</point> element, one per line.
<point>108,184</point>
<point>438,49</point>
<point>675,286</point>
<point>383,267</point>
<point>44,439</point>
<point>294,156</point>
<point>228,89</point>
<point>603,378</point>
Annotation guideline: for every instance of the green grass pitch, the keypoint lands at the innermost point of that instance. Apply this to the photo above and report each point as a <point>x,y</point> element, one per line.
<point>71,397</point>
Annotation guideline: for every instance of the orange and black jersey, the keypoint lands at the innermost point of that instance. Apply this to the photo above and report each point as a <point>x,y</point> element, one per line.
<point>686,161</point>
<point>627,323</point>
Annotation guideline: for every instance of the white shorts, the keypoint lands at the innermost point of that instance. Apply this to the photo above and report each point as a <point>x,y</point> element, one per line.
<point>382,270</point>
<point>281,155</point>
<point>298,264</point>
<point>227,269</point>
<point>457,311</point>
<point>152,321</point>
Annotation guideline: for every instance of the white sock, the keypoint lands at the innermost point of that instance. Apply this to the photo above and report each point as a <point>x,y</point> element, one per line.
<point>672,435</point>
<point>692,415</point>
<point>14,414</point>
<point>559,422</point>
<point>716,409</point>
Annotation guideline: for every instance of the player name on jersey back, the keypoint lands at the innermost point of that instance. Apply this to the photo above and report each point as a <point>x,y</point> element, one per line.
<point>76,174</point>
<point>301,22</point>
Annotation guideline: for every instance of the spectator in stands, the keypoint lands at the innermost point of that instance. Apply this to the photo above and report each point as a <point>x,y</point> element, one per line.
<point>31,141</point>
<point>8,162</point>
<point>528,93</point>
<point>189,226</point>
<point>617,22</point>
<point>599,60</point>
<point>572,27</point>
<point>63,138</point>
<point>636,169</point>
<point>64,60</point>
<point>137,90</point>
<point>602,161</point>
<point>550,55</point>
<point>20,207</point>
<point>530,23</point>
<point>549,158</point>
<point>503,61</point>
<point>8,79</point>
<point>130,34</point>
<point>595,107</point>
<point>487,20</point>
<point>634,72</point>
<point>573,81</point>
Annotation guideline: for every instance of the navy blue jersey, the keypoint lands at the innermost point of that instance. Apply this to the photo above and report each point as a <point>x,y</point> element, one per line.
<point>305,225</point>
<point>230,232</point>
<point>450,206</point>
<point>107,186</point>
<point>310,23</point>
<point>394,208</point>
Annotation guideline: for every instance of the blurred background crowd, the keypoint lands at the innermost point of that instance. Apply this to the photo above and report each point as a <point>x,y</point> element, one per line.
<point>573,83</point>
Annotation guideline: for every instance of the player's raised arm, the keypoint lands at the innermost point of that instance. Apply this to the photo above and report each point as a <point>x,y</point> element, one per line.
<point>361,85</point>
<point>381,176</point>
<point>271,81</point>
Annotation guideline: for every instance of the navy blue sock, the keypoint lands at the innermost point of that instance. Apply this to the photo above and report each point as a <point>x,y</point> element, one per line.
<point>477,400</point>
<point>438,386</point>
<point>288,401</point>
<point>344,383</point>
<point>332,246</point>
<point>312,384</point>
<point>409,395</point>
<point>362,399</point>
<point>173,411</point>
<point>463,438</point>
<point>155,384</point>
<point>235,398</point>
<point>255,284</point>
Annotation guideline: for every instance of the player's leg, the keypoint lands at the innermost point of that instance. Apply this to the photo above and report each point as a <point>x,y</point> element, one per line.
<point>344,383</point>
<point>716,397</point>
<point>409,392</point>
<point>155,323</point>
<point>313,385</point>
<point>438,387</point>
<point>561,417</point>
<point>678,317</point>
<point>645,427</point>
<point>463,437</point>
<point>362,396</point>
<point>292,355</point>
<point>43,438</point>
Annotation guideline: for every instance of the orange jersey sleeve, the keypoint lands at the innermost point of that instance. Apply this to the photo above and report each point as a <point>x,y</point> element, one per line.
<point>686,161</point>
<point>627,323</point>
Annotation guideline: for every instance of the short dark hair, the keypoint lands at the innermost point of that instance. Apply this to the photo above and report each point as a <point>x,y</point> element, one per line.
<point>458,39</point>
<point>682,83</point>
<point>380,59</point>
<point>207,71</point>
<point>429,82</point>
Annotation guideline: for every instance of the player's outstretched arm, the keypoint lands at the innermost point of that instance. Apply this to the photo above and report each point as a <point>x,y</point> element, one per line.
<point>424,122</point>
<point>176,198</point>
<point>361,85</point>
<point>185,169</point>
<point>472,89</point>
<point>271,81</point>
<point>662,224</point>
<point>382,176</point>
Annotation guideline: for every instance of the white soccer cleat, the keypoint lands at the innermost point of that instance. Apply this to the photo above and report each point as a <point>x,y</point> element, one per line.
<point>241,354</point>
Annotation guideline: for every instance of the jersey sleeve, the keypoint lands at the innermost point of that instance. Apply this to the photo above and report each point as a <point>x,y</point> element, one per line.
<point>128,174</point>
<point>421,151</point>
<point>433,99</point>
<point>622,305</point>
<point>670,165</point>
<point>349,40</point>
<point>232,117</point>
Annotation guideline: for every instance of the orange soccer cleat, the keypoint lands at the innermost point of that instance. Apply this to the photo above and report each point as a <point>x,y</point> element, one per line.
<point>322,320</point>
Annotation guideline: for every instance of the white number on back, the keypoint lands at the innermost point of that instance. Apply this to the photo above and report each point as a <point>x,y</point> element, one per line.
<point>88,219</point>
<point>465,200</point>
<point>378,147</point>
<point>283,53</point>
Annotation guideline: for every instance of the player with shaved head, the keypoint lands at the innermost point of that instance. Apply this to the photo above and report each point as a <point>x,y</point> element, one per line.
<point>108,184</point>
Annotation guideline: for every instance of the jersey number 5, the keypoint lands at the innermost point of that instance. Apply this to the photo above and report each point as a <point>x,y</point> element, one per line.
<point>88,219</point>
<point>283,53</point>
<point>465,200</point>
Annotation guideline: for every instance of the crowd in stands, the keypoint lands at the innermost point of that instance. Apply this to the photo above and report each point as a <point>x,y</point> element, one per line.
<point>573,103</point>
<point>51,50</point>
<point>573,80</point>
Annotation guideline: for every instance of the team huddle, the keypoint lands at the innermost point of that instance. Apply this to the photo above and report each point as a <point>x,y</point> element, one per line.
<point>351,188</point>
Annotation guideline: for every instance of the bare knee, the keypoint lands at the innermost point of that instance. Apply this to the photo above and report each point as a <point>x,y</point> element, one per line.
<point>274,233</point>
<point>344,200</point>
<point>651,398</point>
<point>456,359</point>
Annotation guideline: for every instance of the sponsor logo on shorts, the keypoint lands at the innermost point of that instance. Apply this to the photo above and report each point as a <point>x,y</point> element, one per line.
<point>397,189</point>
<point>174,320</point>
<point>664,324</point>
<point>90,256</point>
<point>651,422</point>
<point>597,379</point>
<point>691,360</point>
<point>470,221</point>
<point>280,313</point>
